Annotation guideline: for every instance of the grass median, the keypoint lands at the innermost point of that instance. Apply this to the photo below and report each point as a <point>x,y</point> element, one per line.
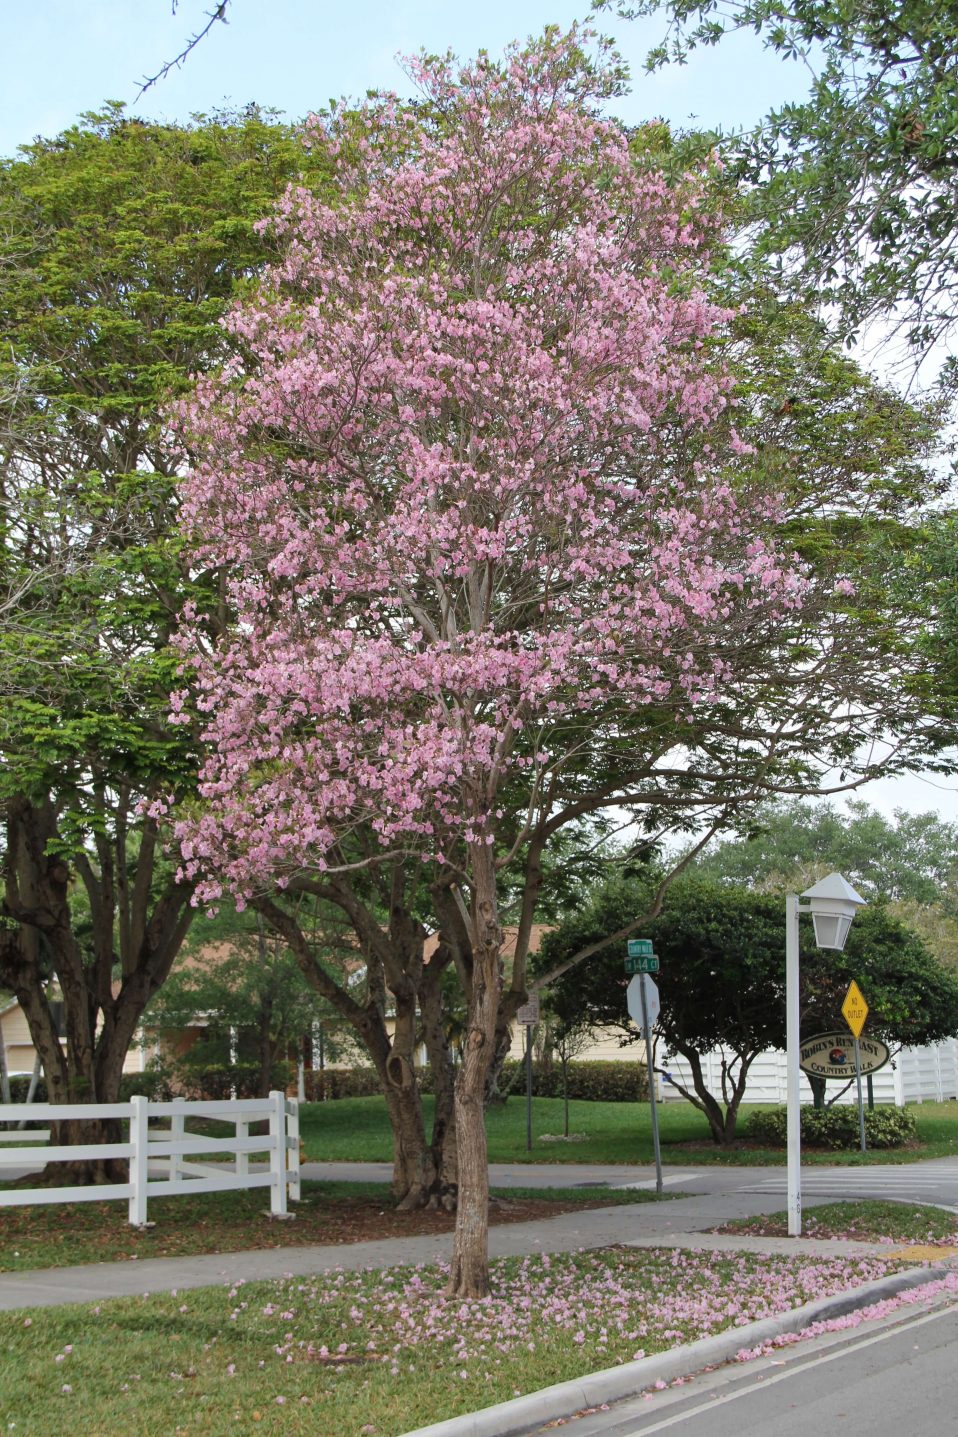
<point>357,1130</point>
<point>868,1220</point>
<point>359,1353</point>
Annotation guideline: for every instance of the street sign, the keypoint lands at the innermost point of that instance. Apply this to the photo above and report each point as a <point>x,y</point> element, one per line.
<point>855,1009</point>
<point>830,1055</point>
<point>633,997</point>
<point>528,1014</point>
<point>640,947</point>
<point>647,964</point>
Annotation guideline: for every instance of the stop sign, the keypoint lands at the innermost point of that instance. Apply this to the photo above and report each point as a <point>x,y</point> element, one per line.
<point>634,999</point>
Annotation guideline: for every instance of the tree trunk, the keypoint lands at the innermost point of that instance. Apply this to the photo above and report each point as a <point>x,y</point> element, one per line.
<point>436,1041</point>
<point>99,1025</point>
<point>4,1075</point>
<point>722,1122</point>
<point>424,1173</point>
<point>264,1080</point>
<point>469,1271</point>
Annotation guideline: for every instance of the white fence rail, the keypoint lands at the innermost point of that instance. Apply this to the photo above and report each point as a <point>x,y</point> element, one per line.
<point>174,1151</point>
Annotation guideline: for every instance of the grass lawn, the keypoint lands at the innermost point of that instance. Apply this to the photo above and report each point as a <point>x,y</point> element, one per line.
<point>865,1221</point>
<point>62,1235</point>
<point>356,1129</point>
<point>356,1354</point>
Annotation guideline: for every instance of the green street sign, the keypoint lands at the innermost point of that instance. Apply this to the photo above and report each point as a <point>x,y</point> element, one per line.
<point>640,948</point>
<point>648,963</point>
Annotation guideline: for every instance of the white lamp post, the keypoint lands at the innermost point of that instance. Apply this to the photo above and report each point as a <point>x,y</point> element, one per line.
<point>832,903</point>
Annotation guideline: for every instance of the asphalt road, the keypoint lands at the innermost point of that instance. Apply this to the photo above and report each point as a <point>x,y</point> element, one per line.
<point>897,1377</point>
<point>932,1181</point>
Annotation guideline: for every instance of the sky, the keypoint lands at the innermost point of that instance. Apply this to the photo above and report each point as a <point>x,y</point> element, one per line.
<point>64,57</point>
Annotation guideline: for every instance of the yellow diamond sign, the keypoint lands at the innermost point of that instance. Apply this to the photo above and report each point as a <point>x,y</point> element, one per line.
<point>855,1009</point>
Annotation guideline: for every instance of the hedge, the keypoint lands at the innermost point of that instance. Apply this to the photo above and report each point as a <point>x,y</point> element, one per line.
<point>325,1083</point>
<point>588,1082</point>
<point>833,1128</point>
<point>161,1082</point>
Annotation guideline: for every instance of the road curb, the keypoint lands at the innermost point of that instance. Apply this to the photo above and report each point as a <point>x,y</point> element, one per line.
<point>613,1384</point>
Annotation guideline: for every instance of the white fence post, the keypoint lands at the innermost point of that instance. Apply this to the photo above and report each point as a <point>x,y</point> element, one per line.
<point>139,1137</point>
<point>177,1133</point>
<point>292,1148</point>
<point>242,1159</point>
<point>277,1154</point>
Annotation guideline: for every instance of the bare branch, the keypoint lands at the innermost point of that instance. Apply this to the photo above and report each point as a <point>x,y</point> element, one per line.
<point>217,13</point>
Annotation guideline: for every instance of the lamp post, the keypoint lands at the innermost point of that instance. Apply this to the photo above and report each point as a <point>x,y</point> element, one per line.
<point>832,903</point>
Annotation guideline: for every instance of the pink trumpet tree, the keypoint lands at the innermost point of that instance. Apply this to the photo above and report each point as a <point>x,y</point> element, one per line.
<point>459,482</point>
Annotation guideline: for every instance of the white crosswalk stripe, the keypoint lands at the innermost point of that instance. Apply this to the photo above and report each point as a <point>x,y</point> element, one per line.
<point>882,1180</point>
<point>649,1183</point>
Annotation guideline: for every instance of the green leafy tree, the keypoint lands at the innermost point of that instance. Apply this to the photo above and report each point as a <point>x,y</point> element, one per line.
<point>911,857</point>
<point>722,980</point>
<point>910,861</point>
<point>121,242</point>
<point>856,187</point>
<point>252,995</point>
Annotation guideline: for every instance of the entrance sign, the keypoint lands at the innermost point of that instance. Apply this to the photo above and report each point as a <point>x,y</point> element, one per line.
<point>831,1055</point>
<point>855,1009</point>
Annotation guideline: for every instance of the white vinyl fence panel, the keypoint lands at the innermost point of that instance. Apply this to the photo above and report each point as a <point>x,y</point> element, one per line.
<point>928,1074</point>
<point>163,1162</point>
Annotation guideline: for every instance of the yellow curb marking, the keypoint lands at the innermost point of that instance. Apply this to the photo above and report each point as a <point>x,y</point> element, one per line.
<point>922,1251</point>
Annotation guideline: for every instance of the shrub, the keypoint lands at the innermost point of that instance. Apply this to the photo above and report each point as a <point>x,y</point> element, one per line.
<point>833,1128</point>
<point>325,1083</point>
<point>20,1087</point>
<point>217,1081</point>
<point>588,1082</point>
<point>156,1082</point>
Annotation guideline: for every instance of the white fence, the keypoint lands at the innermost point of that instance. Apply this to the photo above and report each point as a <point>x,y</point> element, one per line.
<point>915,1075</point>
<point>173,1150</point>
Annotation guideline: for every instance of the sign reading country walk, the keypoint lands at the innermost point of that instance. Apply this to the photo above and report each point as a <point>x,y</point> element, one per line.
<point>832,1055</point>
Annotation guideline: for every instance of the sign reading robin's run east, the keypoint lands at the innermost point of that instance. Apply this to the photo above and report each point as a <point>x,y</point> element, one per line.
<point>832,1055</point>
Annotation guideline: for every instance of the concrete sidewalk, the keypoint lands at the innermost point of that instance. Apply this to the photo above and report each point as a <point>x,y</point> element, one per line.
<point>682,1222</point>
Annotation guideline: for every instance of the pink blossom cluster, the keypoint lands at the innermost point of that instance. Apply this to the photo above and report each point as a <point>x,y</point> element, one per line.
<point>851,1320</point>
<point>457,478</point>
<point>614,1306</point>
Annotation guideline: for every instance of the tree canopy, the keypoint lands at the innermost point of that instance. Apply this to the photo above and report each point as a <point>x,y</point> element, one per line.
<point>722,978</point>
<point>910,857</point>
<point>859,182</point>
<point>121,242</point>
<point>498,557</point>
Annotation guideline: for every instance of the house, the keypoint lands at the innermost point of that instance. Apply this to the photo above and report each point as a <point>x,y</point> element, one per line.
<point>21,1054</point>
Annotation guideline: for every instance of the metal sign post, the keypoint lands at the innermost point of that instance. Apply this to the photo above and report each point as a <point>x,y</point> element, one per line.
<point>647,1028</point>
<point>528,1015</point>
<point>528,1087</point>
<point>855,1011</point>
<point>642,999</point>
<point>861,1105</point>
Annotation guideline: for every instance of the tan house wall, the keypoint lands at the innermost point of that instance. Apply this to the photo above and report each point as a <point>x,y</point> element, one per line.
<point>21,1054</point>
